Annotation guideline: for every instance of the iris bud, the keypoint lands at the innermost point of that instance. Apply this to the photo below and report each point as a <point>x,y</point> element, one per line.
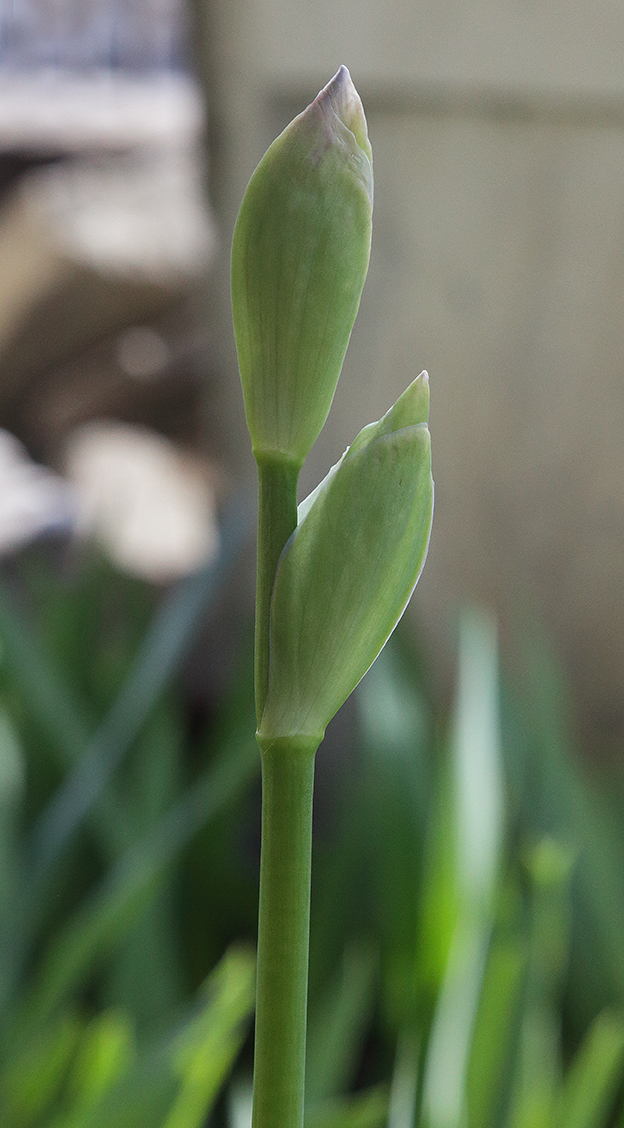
<point>299,260</point>
<point>347,573</point>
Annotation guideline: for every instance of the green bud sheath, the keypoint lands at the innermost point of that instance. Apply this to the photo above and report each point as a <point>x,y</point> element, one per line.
<point>299,260</point>
<point>346,575</point>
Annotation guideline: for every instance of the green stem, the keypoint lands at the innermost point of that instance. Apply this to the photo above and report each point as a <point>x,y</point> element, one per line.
<point>277,519</point>
<point>283,933</point>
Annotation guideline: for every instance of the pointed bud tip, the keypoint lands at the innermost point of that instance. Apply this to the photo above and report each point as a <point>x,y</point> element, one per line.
<point>416,399</point>
<point>411,408</point>
<point>341,96</point>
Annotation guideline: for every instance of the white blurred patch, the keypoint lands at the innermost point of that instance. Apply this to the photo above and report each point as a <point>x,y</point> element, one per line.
<point>140,213</point>
<point>33,500</point>
<point>58,110</point>
<point>150,505</point>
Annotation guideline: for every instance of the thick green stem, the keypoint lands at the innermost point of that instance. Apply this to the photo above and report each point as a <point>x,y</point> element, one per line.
<point>287,786</point>
<point>283,933</point>
<point>277,519</point>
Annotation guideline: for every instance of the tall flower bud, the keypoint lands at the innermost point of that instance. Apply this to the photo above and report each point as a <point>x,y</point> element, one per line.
<point>346,575</point>
<point>299,259</point>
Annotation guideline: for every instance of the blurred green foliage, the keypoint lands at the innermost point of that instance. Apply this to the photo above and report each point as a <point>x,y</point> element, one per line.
<point>467,954</point>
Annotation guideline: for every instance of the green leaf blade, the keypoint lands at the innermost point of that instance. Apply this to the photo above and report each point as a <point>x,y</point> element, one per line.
<point>592,1081</point>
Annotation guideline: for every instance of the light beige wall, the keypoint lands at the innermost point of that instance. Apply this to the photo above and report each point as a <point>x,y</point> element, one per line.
<point>560,46</point>
<point>498,138</point>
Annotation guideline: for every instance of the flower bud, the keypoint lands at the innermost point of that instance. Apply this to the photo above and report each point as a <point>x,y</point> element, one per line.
<point>299,259</point>
<point>346,575</point>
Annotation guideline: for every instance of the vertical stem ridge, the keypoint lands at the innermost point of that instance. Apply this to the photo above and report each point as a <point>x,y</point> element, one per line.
<point>283,933</point>
<point>277,519</point>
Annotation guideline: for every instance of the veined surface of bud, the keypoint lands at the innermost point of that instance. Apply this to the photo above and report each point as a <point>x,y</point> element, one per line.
<point>346,575</point>
<point>299,260</point>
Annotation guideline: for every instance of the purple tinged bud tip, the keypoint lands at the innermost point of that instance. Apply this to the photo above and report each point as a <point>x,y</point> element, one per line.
<point>340,94</point>
<point>339,112</point>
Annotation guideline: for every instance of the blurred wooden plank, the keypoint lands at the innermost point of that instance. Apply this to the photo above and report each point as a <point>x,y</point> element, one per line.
<point>59,111</point>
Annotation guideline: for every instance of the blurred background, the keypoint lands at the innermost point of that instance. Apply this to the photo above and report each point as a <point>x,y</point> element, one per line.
<point>467,966</point>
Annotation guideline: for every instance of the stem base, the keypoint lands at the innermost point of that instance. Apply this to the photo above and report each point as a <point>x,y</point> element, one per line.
<point>283,933</point>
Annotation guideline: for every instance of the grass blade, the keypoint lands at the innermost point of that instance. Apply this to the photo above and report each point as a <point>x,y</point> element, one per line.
<point>592,1080</point>
<point>337,1027</point>
<point>160,654</point>
<point>129,886</point>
